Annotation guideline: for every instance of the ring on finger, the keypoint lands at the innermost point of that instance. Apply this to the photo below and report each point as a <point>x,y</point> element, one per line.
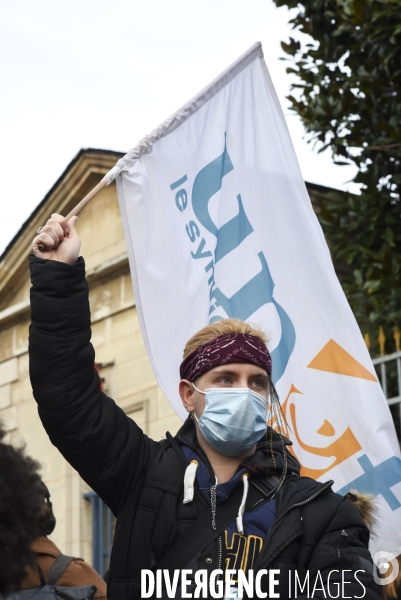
<point>39,230</point>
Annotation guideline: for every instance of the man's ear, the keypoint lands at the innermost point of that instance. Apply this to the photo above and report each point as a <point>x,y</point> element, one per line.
<point>186,391</point>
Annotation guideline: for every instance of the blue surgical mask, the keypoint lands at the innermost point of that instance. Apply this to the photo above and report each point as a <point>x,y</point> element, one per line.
<point>234,419</point>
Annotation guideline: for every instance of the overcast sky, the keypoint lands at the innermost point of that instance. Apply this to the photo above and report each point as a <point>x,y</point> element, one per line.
<point>104,73</point>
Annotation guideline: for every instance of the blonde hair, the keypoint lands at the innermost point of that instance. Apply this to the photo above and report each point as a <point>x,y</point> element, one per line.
<point>223,327</point>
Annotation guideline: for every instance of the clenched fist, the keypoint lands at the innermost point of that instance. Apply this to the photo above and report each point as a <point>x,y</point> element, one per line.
<point>59,240</point>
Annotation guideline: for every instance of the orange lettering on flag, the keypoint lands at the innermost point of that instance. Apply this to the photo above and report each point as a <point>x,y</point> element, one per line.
<point>341,449</point>
<point>334,359</point>
<point>326,429</point>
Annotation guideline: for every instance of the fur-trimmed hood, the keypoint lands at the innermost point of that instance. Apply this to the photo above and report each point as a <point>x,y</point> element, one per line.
<point>365,505</point>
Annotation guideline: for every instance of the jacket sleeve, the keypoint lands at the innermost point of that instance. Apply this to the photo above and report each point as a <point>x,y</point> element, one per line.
<point>107,448</point>
<point>341,565</point>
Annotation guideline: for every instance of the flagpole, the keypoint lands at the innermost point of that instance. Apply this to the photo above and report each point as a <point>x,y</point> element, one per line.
<point>107,179</point>
<point>77,209</point>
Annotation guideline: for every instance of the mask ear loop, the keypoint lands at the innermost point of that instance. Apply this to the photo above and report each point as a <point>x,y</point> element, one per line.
<point>200,391</point>
<point>193,415</point>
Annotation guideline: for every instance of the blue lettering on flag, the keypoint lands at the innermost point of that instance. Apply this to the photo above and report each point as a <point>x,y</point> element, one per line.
<point>378,479</point>
<point>207,183</point>
<point>254,294</point>
<point>258,291</point>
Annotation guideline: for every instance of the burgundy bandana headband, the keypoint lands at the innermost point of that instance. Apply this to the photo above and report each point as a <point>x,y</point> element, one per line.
<point>230,348</point>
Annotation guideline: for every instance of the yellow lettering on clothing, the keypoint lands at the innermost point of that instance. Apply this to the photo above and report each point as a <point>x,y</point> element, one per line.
<point>242,552</point>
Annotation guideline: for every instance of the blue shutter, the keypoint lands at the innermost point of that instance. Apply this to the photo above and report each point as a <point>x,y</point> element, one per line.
<point>102,533</point>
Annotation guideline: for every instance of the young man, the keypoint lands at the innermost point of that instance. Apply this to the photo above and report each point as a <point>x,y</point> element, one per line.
<point>224,493</point>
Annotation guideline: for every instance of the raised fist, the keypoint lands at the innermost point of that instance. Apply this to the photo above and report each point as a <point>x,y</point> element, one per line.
<point>58,240</point>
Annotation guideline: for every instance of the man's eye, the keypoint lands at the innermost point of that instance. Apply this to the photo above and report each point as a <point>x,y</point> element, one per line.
<point>225,380</point>
<point>258,383</point>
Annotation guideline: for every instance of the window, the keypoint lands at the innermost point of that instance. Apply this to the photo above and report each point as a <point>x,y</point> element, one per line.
<point>103,526</point>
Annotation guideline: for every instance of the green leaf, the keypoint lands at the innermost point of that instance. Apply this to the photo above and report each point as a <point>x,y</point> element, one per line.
<point>389,237</point>
<point>358,277</point>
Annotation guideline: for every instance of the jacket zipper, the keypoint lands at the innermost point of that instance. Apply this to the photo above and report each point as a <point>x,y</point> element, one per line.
<point>220,540</point>
<point>323,489</point>
<point>343,535</point>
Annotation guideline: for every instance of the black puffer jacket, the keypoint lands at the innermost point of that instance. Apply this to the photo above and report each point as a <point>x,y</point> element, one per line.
<point>141,480</point>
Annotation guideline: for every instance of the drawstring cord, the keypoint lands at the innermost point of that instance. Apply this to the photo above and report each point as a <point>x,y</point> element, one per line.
<point>189,482</point>
<point>239,520</point>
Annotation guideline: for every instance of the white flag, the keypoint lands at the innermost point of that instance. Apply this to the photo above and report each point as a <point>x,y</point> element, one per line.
<point>218,224</point>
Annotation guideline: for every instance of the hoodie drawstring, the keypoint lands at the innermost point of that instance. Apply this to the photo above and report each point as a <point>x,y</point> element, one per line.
<point>189,481</point>
<point>240,525</point>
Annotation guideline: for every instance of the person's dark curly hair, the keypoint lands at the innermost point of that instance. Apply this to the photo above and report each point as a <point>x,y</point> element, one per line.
<point>21,503</point>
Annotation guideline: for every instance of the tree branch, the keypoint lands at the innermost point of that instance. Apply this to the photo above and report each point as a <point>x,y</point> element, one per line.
<point>387,148</point>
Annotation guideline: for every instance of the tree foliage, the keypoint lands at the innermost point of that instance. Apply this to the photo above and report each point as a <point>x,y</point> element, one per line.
<point>348,95</point>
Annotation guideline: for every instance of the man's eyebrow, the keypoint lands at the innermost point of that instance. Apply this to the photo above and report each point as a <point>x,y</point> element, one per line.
<point>258,374</point>
<point>225,371</point>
